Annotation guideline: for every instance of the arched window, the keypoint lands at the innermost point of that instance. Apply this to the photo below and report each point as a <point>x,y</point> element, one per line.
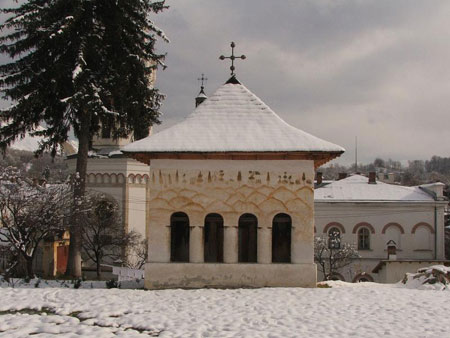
<point>247,242</point>
<point>336,276</point>
<point>281,238</point>
<point>392,232</point>
<point>363,239</point>
<point>213,237</point>
<point>422,238</point>
<point>334,238</point>
<point>362,278</point>
<point>179,237</point>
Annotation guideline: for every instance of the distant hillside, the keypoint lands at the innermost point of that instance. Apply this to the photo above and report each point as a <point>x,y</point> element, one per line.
<point>53,170</point>
<point>29,143</point>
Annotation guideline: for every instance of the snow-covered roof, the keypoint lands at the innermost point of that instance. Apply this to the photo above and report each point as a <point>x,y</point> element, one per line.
<point>357,188</point>
<point>233,119</point>
<point>202,95</point>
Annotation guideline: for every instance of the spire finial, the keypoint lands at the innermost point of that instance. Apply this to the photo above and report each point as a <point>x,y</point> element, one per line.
<point>201,95</point>
<point>232,58</point>
<point>203,81</point>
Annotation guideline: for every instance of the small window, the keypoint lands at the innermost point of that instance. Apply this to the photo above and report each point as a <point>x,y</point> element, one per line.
<point>334,238</point>
<point>363,239</point>
<point>106,130</point>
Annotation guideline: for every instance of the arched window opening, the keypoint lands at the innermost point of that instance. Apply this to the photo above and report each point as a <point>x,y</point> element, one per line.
<point>363,239</point>
<point>247,241</point>
<point>179,237</point>
<point>363,278</point>
<point>281,238</point>
<point>422,238</point>
<point>336,276</point>
<point>334,238</point>
<point>213,237</point>
<point>393,233</point>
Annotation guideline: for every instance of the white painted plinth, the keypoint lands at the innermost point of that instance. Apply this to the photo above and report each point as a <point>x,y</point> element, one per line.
<point>199,275</point>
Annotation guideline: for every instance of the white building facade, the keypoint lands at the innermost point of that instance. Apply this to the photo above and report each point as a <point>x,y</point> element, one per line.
<point>369,215</point>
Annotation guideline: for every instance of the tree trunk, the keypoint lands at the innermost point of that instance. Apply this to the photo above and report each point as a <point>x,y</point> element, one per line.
<point>99,270</point>
<point>74,260</point>
<point>30,273</point>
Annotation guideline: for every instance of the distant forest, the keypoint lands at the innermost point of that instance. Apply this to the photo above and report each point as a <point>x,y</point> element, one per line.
<point>437,169</point>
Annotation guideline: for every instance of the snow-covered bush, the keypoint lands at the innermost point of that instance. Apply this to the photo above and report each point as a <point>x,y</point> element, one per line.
<point>436,277</point>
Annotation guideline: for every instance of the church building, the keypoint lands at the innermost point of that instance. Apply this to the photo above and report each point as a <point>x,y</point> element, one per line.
<point>230,196</point>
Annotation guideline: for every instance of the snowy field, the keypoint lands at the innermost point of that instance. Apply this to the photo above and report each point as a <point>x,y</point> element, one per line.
<point>345,310</point>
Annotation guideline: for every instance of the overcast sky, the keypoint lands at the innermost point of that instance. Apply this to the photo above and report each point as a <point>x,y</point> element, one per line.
<point>378,70</point>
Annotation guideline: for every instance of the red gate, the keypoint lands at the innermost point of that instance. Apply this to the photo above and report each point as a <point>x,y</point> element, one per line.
<point>62,253</point>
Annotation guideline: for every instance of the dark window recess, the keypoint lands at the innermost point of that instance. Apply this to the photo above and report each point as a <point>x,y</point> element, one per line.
<point>247,241</point>
<point>106,130</point>
<point>179,237</point>
<point>281,238</point>
<point>213,237</point>
<point>363,239</point>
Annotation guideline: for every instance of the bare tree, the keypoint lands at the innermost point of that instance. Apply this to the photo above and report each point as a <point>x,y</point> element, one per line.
<point>331,254</point>
<point>104,236</point>
<point>29,213</point>
<point>137,251</point>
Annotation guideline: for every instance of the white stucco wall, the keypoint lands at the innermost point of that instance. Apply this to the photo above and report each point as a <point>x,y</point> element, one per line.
<point>137,211</point>
<point>393,272</point>
<point>419,245</point>
<point>126,180</point>
<point>231,189</point>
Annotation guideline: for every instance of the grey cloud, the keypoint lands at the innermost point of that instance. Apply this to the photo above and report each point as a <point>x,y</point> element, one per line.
<point>376,69</point>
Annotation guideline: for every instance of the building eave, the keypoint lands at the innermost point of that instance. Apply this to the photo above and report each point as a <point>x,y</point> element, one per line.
<point>319,157</point>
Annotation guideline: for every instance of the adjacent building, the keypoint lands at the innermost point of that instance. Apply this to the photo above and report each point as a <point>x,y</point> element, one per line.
<point>370,214</point>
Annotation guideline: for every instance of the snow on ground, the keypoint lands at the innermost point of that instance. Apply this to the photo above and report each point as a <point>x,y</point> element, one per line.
<point>345,310</point>
<point>435,277</point>
<point>54,283</point>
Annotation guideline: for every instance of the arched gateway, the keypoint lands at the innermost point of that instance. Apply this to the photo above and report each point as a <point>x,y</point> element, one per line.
<point>243,179</point>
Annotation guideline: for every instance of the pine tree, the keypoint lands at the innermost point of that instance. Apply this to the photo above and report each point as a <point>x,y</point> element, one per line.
<point>75,65</point>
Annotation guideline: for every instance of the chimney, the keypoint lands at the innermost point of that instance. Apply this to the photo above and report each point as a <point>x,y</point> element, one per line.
<point>372,177</point>
<point>319,178</point>
<point>436,189</point>
<point>342,176</point>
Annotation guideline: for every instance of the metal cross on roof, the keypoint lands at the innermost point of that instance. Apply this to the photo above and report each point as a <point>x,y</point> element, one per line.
<point>203,80</point>
<point>232,58</point>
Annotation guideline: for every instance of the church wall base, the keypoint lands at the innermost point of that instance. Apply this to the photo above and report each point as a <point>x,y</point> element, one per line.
<point>200,275</point>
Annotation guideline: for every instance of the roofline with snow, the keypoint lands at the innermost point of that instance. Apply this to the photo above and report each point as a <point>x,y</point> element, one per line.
<point>319,157</point>
<point>406,202</point>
